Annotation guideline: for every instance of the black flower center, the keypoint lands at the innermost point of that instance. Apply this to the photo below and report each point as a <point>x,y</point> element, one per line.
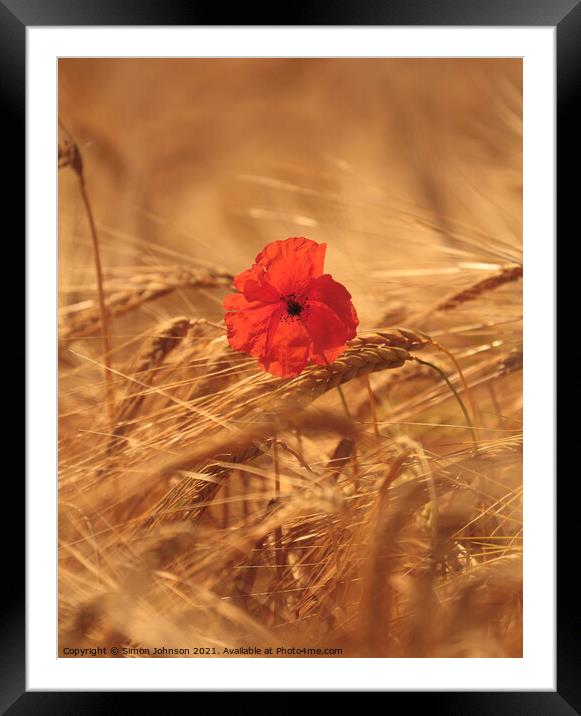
<point>294,306</point>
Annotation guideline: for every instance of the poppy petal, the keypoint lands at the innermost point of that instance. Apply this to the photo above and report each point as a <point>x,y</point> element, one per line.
<point>287,348</point>
<point>247,323</point>
<point>328,333</point>
<point>255,285</point>
<point>242,277</point>
<point>288,265</point>
<point>325,289</point>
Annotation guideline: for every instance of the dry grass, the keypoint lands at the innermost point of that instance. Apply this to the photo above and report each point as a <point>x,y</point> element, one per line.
<point>347,508</point>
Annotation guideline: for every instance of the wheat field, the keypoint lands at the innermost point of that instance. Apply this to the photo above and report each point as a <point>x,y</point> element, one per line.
<point>371,507</point>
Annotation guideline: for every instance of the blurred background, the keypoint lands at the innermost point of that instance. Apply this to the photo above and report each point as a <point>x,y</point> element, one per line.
<point>212,159</point>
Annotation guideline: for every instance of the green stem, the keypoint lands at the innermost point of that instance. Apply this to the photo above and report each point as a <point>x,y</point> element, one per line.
<point>455,392</point>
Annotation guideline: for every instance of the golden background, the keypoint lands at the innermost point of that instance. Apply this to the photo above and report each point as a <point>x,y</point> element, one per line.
<point>411,172</point>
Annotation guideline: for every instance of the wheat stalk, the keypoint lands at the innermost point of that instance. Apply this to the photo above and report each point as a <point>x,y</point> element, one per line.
<point>281,399</point>
<point>71,156</point>
<point>383,350</point>
<point>81,320</point>
<point>167,337</point>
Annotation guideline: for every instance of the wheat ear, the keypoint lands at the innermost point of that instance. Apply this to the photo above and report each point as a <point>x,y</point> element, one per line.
<point>383,350</point>
<point>83,319</point>
<point>507,274</point>
<point>167,337</point>
<point>72,157</point>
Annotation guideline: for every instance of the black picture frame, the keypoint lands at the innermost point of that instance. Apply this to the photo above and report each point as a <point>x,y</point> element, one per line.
<point>565,15</point>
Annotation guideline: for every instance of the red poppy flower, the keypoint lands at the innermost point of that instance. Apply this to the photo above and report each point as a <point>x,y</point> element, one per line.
<point>288,313</point>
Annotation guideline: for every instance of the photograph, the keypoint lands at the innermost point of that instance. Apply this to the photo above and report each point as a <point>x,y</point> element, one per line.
<point>290,353</point>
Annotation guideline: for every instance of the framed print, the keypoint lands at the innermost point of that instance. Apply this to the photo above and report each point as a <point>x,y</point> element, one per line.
<point>289,424</point>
